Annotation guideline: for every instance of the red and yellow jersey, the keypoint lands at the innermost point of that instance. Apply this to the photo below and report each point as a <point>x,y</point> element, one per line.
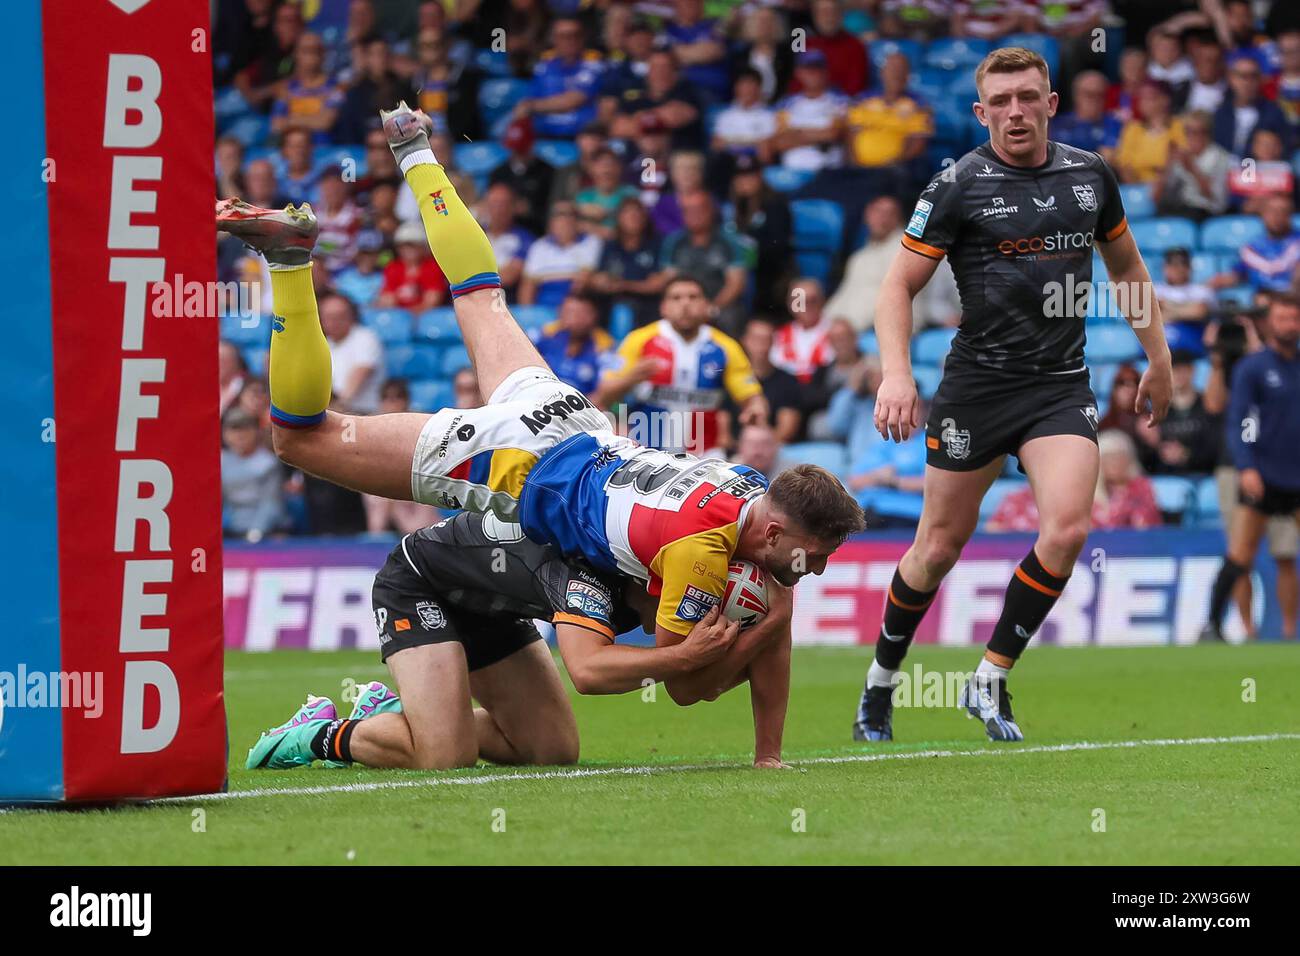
<point>694,377</point>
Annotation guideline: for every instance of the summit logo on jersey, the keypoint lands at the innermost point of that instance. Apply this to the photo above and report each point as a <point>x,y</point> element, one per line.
<point>999,209</point>
<point>920,216</point>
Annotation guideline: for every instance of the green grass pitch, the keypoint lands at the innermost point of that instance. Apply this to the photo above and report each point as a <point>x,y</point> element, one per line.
<point>660,784</point>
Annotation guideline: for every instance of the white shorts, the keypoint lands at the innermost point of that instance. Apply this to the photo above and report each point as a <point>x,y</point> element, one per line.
<point>476,459</point>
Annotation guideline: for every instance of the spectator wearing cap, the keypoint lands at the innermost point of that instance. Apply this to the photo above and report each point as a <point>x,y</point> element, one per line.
<point>628,272</point>
<point>562,97</point>
<point>510,241</point>
<point>704,251</point>
<point>889,125</point>
<point>376,87</point>
<point>574,346</point>
<point>529,175</point>
<point>363,279</point>
<point>1269,263</point>
<point>765,49</point>
<point>558,259</point>
<point>299,175</point>
<point>846,57</point>
<point>1185,305</point>
<point>1145,144</point>
<point>356,355</point>
<point>413,279</point>
<point>810,123</point>
<point>785,400</point>
<point>762,216</point>
<point>747,123</point>
<point>1194,181</point>
<point>340,221</point>
<point>700,47</point>
<point>1245,109</point>
<point>309,99</point>
<point>665,99</point>
<point>385,514</point>
<point>598,203</point>
<point>252,496</point>
<point>1088,125</point>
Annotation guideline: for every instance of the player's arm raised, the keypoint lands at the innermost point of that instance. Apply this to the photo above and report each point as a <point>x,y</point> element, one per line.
<point>897,413</point>
<point>1127,271</point>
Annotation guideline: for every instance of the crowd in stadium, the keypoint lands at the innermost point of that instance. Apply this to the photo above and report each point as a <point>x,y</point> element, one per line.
<point>771,150</point>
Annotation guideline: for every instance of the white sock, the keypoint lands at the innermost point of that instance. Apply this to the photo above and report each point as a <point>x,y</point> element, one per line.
<point>878,676</point>
<point>991,669</point>
<point>416,158</point>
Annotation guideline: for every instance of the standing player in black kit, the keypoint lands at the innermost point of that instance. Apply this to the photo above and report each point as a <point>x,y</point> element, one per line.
<point>1018,217</point>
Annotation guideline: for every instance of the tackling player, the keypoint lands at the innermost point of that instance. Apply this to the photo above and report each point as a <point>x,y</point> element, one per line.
<point>539,452</point>
<point>454,605</point>
<point>1018,218</point>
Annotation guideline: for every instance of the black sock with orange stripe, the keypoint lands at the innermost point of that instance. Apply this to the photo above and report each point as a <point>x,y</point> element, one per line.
<point>904,608</point>
<point>334,740</point>
<point>1031,596</point>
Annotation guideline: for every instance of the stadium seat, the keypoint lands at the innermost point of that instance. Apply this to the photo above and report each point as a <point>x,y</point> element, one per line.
<point>234,329</point>
<point>1204,265</point>
<point>815,265</point>
<point>1229,233</point>
<point>497,97</point>
<point>1041,43</point>
<point>818,225</point>
<point>1103,377</point>
<point>1207,503</point>
<point>880,50</point>
<point>532,317</point>
<point>1111,343</point>
<point>927,379</point>
<point>558,152</point>
<point>1237,296</point>
<point>785,180</point>
<point>438,325</point>
<point>1099,271</point>
<point>479,159</point>
<point>868,344</point>
<point>251,129</point>
<point>492,64</point>
<point>830,455</point>
<point>431,395</point>
<point>413,361</point>
<point>454,359</point>
<point>953,53</point>
<point>351,158</point>
<point>621,320</point>
<point>1138,201</point>
<point>1154,236</point>
<point>393,326</point>
<point>952,120</point>
<point>929,84</point>
<point>930,346</point>
<point>997,491</point>
<point>1174,495</point>
<point>1201,374</point>
<point>1102,307</point>
<point>258,361</point>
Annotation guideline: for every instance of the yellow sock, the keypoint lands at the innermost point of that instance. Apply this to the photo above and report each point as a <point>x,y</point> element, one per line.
<point>457,241</point>
<point>301,375</point>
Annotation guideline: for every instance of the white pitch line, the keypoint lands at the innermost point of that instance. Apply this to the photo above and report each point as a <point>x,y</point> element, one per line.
<point>579,773</point>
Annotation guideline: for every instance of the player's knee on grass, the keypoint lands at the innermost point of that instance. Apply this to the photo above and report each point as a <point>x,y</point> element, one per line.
<point>445,754</point>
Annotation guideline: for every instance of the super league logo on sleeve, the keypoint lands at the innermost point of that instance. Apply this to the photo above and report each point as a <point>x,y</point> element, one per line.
<point>920,216</point>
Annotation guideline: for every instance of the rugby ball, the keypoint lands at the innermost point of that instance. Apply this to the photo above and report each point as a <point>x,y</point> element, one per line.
<point>745,599</point>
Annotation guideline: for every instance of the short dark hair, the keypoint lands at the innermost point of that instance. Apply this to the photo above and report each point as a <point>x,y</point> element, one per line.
<point>680,278</point>
<point>814,498</point>
<point>1288,300</point>
<point>398,385</point>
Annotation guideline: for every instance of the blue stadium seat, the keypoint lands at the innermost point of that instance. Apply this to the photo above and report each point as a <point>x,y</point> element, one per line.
<point>492,64</point>
<point>251,129</point>
<point>1103,377</point>
<point>832,456</point>
<point>1111,343</point>
<point>234,329</point>
<point>351,158</point>
<point>1237,296</point>
<point>952,120</point>
<point>1099,271</point>
<point>868,344</point>
<point>1173,494</point>
<point>997,491</point>
<point>1204,265</point>
<point>786,180</point>
<point>1041,43</point>
<point>1138,201</point>
<point>1207,503</point>
<point>532,317</point>
<point>479,159</point>
<point>431,395</point>
<point>815,265</point>
<point>1201,374</point>
<point>1154,236</point>
<point>930,346</point>
<point>879,50</point>
<point>438,325</point>
<point>930,84</point>
<point>258,361</point>
<point>953,53</point>
<point>393,326</point>
<point>621,320</point>
<point>454,359</point>
<point>927,379</point>
<point>1229,233</point>
<point>1102,308</point>
<point>497,97</point>
<point>818,224</point>
<point>558,152</point>
<point>413,362</point>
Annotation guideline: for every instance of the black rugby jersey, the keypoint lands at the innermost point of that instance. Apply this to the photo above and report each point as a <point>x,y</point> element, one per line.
<point>1020,243</point>
<point>482,565</point>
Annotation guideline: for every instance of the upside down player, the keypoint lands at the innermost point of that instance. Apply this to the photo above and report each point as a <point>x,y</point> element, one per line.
<point>453,607</point>
<point>538,453</point>
<point>1018,217</point>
